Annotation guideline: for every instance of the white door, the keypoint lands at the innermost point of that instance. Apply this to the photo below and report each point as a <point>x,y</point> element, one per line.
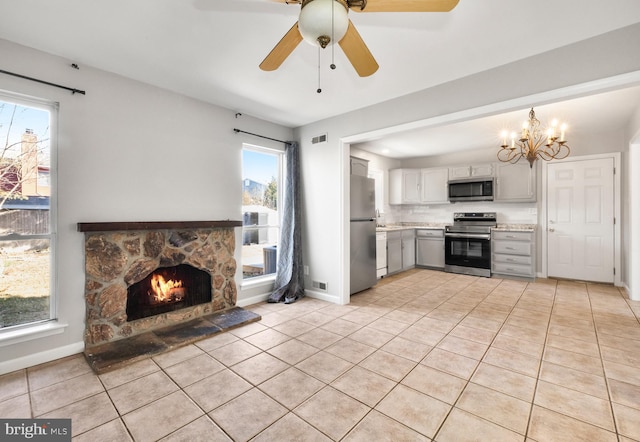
<point>580,237</point>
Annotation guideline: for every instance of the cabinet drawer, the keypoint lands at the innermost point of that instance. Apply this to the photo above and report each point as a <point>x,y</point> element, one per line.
<point>512,269</point>
<point>512,236</point>
<point>430,233</point>
<point>512,247</point>
<point>512,259</point>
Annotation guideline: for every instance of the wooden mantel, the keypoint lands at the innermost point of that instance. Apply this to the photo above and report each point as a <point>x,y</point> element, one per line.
<point>155,225</point>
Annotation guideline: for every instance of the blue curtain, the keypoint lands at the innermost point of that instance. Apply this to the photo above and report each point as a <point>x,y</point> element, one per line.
<point>289,284</point>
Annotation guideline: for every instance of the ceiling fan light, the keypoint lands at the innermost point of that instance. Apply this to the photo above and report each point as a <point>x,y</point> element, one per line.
<point>320,19</point>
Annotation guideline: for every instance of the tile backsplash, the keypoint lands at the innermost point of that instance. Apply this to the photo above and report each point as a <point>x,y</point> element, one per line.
<point>507,213</point>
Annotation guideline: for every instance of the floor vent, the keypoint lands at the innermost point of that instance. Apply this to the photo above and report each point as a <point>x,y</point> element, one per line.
<point>319,285</point>
<point>319,139</point>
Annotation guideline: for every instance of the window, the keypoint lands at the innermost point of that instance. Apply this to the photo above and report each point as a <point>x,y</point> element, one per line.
<point>261,190</point>
<point>26,234</point>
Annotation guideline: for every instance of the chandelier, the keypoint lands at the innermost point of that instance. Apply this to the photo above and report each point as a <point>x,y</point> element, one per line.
<point>534,142</point>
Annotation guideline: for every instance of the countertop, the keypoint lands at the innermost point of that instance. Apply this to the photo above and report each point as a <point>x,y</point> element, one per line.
<point>499,227</point>
<point>515,227</point>
<point>393,227</point>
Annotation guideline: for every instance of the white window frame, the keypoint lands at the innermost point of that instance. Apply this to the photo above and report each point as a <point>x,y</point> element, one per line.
<point>33,330</point>
<point>281,158</point>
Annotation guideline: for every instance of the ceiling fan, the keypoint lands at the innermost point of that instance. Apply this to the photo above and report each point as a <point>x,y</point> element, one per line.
<point>325,22</point>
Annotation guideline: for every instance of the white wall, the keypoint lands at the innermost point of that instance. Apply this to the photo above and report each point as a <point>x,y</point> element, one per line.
<point>127,151</point>
<point>325,166</point>
<point>631,217</point>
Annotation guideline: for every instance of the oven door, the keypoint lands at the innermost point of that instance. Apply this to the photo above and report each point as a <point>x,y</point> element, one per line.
<point>468,253</point>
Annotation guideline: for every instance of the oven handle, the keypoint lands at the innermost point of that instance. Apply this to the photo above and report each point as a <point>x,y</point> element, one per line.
<point>468,235</point>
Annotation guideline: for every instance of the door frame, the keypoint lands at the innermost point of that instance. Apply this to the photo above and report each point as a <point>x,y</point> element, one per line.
<point>617,211</point>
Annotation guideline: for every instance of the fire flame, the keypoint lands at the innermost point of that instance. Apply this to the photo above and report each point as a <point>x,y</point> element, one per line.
<point>164,291</point>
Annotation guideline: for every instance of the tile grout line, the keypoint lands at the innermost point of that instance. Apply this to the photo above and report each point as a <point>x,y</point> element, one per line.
<point>468,381</point>
<point>544,347</point>
<point>604,371</point>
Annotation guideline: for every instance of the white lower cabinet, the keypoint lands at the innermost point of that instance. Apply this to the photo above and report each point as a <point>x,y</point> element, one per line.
<point>381,254</point>
<point>401,250</point>
<point>513,253</point>
<point>394,252</point>
<point>430,248</point>
<point>408,249</point>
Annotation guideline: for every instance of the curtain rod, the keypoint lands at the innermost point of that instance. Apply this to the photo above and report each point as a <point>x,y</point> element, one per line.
<point>261,136</point>
<point>73,90</point>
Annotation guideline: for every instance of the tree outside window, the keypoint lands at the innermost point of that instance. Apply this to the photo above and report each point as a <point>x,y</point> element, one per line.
<point>25,209</point>
<point>261,171</point>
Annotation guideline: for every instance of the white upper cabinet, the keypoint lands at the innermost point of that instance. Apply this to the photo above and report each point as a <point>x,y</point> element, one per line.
<point>404,186</point>
<point>395,186</point>
<point>359,166</point>
<point>411,180</point>
<point>418,186</point>
<point>479,171</point>
<point>459,172</point>
<point>515,182</point>
<point>434,186</point>
<point>482,170</point>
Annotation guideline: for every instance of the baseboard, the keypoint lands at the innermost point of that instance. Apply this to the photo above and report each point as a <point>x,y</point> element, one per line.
<point>627,291</point>
<point>321,296</point>
<point>41,357</point>
<point>252,300</point>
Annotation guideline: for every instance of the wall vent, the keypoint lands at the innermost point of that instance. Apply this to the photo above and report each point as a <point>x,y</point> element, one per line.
<point>319,285</point>
<point>319,139</point>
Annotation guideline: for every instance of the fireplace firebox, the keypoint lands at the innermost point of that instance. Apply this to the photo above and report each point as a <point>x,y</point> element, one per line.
<point>167,289</point>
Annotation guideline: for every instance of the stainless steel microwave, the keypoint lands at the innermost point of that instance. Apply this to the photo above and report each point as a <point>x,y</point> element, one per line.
<point>471,189</point>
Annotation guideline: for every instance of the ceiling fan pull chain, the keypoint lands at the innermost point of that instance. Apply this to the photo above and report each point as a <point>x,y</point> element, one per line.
<point>333,45</point>
<point>319,88</point>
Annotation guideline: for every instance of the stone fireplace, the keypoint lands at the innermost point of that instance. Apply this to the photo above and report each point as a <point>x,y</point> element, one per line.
<point>141,276</point>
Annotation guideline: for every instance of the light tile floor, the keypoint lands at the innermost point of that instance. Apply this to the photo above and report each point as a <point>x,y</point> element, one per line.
<point>424,355</point>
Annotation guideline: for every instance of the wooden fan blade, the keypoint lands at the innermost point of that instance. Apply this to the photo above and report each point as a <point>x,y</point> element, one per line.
<point>357,52</point>
<point>282,50</point>
<point>407,6</point>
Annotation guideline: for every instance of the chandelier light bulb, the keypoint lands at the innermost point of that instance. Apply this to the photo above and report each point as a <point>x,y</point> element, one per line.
<point>504,134</point>
<point>563,130</point>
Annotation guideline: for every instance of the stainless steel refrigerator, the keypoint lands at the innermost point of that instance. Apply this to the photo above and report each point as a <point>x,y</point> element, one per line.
<point>363,233</point>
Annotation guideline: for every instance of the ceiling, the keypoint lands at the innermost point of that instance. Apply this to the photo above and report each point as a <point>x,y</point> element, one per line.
<point>599,113</point>
<point>211,49</point>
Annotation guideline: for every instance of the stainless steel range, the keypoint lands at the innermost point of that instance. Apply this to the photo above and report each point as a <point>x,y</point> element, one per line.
<point>468,243</point>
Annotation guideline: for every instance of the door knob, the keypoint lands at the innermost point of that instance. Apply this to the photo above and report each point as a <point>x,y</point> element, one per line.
<point>552,230</point>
